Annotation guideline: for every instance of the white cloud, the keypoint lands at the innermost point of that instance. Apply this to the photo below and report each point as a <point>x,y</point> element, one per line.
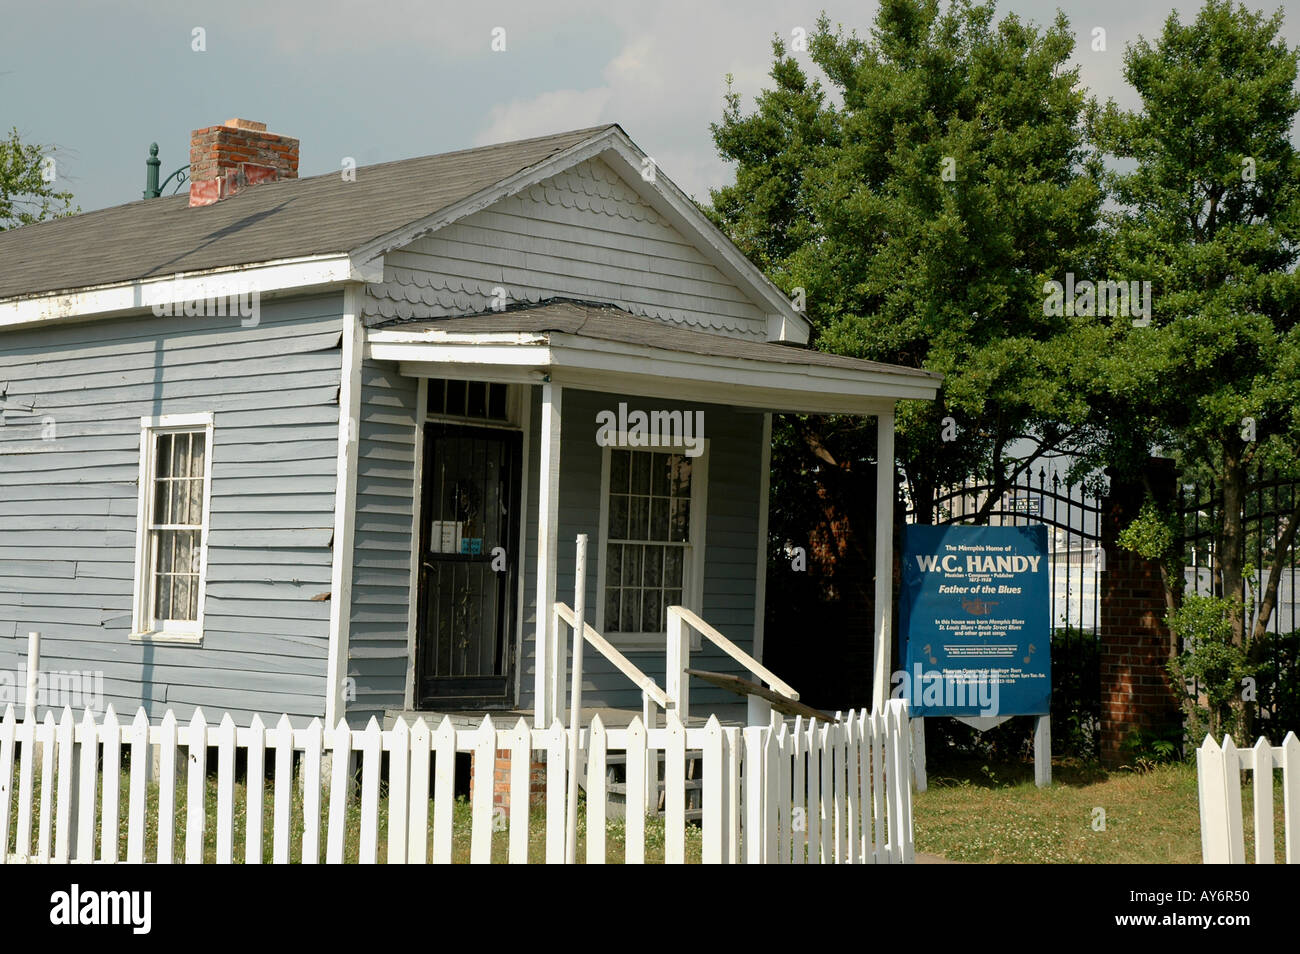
<point>546,113</point>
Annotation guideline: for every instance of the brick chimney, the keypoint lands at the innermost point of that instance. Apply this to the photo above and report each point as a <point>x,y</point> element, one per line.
<point>235,155</point>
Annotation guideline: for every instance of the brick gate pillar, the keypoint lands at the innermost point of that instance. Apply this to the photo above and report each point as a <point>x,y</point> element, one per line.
<point>1135,689</point>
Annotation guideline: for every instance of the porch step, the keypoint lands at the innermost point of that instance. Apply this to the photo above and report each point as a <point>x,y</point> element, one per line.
<point>616,786</point>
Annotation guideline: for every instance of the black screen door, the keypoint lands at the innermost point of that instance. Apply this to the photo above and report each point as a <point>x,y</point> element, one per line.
<point>469,542</point>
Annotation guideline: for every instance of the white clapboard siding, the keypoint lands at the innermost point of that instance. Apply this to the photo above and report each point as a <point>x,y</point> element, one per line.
<point>1218,775</point>
<point>801,792</point>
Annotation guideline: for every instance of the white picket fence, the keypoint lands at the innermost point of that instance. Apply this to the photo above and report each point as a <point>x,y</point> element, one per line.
<point>1218,775</point>
<point>805,792</point>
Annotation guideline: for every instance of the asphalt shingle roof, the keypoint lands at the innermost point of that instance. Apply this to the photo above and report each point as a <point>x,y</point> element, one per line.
<point>275,220</point>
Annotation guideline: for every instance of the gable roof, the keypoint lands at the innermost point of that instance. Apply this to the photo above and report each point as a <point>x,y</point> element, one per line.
<point>307,221</point>
<point>152,238</point>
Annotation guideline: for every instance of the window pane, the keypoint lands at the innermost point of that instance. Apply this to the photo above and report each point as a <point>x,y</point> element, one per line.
<point>673,567</point>
<point>638,516</point>
<point>196,503</point>
<point>680,527</point>
<point>641,473</point>
<point>651,608</point>
<point>631,566</point>
<point>618,518</point>
<point>456,398</point>
<point>681,475</point>
<point>618,471</point>
<point>163,597</point>
<point>161,498</point>
<point>631,611</point>
<point>163,455</point>
<point>437,396</point>
<point>659,475</point>
<point>476,399</point>
<point>497,402</point>
<point>652,564</point>
<point>612,620</point>
<point>613,564</point>
<point>184,552</point>
<point>181,586</point>
<point>198,454</point>
<point>166,551</point>
<point>659,507</point>
<point>180,452</point>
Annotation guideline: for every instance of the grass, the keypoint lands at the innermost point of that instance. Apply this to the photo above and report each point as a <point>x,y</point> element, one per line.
<point>615,834</point>
<point>979,814</point>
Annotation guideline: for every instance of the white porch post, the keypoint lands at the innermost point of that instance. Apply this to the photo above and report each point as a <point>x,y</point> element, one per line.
<point>884,555</point>
<point>548,680</point>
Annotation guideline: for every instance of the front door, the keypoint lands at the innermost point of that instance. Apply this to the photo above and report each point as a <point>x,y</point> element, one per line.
<point>465,651</point>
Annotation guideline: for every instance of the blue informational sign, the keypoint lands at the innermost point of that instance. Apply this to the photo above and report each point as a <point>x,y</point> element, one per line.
<point>975,620</point>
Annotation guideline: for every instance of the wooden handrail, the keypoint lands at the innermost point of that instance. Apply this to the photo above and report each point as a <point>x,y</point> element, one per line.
<point>734,651</point>
<point>621,662</point>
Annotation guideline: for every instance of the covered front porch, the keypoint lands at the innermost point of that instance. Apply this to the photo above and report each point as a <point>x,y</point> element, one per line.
<point>538,424</point>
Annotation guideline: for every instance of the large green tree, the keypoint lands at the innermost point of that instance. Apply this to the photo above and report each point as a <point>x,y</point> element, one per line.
<point>919,196</point>
<point>920,203</point>
<point>27,184</point>
<point>1208,211</point>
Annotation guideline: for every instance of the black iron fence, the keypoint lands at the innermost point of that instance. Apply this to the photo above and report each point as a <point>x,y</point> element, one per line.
<point>1266,511</point>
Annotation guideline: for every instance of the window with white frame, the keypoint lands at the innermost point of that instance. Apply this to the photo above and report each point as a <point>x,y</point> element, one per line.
<point>171,558</point>
<point>652,541</point>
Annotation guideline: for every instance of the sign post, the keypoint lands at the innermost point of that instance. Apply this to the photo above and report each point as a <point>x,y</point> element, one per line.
<point>975,615</point>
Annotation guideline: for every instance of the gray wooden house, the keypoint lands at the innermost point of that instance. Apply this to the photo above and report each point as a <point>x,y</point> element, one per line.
<point>322,446</point>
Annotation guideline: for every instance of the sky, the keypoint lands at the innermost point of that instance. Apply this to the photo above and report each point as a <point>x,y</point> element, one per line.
<point>392,79</point>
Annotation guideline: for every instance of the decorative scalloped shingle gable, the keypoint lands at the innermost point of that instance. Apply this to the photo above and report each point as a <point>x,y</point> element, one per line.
<point>583,233</point>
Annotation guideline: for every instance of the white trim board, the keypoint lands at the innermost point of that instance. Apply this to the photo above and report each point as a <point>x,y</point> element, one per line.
<point>345,510</point>
<point>417,502</point>
<point>123,298</point>
<point>593,364</point>
<point>760,577</point>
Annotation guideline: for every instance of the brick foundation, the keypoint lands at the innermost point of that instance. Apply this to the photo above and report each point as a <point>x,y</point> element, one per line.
<point>1136,693</point>
<point>501,780</point>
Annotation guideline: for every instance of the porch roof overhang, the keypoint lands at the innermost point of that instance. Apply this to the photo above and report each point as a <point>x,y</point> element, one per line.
<point>603,348</point>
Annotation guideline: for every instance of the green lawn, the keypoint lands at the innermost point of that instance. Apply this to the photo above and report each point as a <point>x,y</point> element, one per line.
<point>1151,817</point>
